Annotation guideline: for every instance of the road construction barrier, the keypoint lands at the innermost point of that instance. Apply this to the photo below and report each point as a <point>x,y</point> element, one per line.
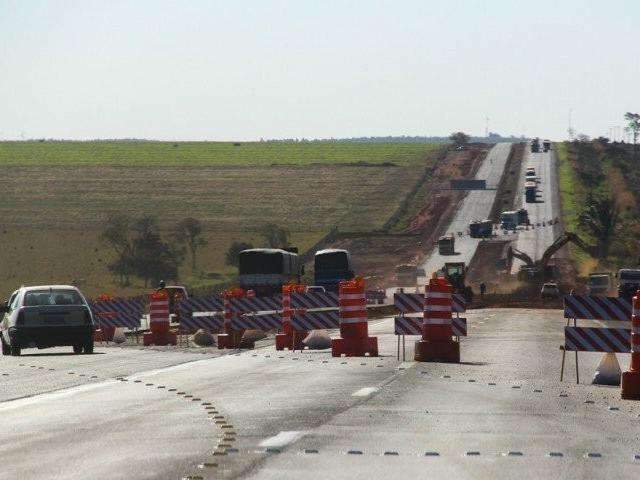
<point>414,302</point>
<point>118,312</point>
<point>594,339</point>
<point>232,336</point>
<point>210,323</point>
<point>318,320</point>
<point>200,304</point>
<point>437,344</point>
<point>310,300</point>
<point>241,305</point>
<point>593,307</point>
<point>159,333</point>
<point>413,326</point>
<point>631,378</point>
<point>354,338</point>
<point>258,321</point>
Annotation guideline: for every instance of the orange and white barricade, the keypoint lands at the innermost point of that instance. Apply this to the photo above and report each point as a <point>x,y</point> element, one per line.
<point>631,379</point>
<point>354,338</point>
<point>159,321</point>
<point>289,337</point>
<point>231,337</point>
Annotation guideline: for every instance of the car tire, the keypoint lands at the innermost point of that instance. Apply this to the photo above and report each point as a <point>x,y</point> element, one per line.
<point>15,351</point>
<point>88,346</point>
<point>77,349</point>
<point>6,349</point>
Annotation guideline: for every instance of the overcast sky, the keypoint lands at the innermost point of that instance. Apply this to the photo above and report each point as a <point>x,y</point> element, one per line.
<point>220,70</point>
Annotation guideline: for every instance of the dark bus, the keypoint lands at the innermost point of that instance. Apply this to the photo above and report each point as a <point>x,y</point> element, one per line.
<point>266,270</point>
<point>330,267</point>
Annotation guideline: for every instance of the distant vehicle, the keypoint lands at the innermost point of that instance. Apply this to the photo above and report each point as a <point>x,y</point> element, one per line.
<point>509,220</point>
<point>546,145</point>
<point>535,145</point>
<point>315,289</point>
<point>447,245</point>
<point>530,191</point>
<point>376,296</point>
<point>530,171</point>
<point>455,273</point>
<point>331,266</point>
<point>523,217</point>
<point>46,316</point>
<point>481,229</point>
<point>175,293</point>
<point>628,282</point>
<point>266,270</point>
<point>598,283</point>
<point>407,275</point>
<point>550,290</point>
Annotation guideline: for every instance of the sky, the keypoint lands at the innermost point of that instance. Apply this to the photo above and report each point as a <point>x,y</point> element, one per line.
<point>245,70</point>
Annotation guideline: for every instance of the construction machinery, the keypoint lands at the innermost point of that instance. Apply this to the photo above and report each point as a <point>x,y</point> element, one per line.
<point>523,217</point>
<point>481,229</point>
<point>599,283</point>
<point>447,245</point>
<point>628,282</point>
<point>535,270</point>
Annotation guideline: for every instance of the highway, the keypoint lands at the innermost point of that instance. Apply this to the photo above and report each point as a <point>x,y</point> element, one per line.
<point>162,413</point>
<point>476,205</point>
<point>535,241</point>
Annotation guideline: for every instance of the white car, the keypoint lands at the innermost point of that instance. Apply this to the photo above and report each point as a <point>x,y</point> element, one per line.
<point>46,316</point>
<point>550,290</point>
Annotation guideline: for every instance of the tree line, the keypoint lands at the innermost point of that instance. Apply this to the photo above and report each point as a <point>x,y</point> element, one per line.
<point>141,250</point>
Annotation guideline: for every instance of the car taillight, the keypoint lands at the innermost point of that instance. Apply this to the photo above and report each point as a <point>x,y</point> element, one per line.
<point>20,319</point>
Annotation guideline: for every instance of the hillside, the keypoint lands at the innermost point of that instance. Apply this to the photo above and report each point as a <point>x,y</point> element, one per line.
<point>600,170</point>
<point>57,195</point>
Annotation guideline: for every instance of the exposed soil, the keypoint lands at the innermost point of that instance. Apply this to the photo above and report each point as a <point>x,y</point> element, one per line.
<point>509,183</point>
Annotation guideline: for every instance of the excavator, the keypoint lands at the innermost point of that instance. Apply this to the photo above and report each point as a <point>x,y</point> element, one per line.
<point>532,270</point>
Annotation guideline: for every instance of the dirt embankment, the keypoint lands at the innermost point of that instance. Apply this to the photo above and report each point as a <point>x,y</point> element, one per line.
<point>509,183</point>
<point>378,253</point>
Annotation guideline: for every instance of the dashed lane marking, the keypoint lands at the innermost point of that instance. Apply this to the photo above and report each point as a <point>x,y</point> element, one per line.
<point>364,392</point>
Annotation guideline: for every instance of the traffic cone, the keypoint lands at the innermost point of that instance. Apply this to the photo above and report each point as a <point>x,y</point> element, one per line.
<point>608,371</point>
<point>631,378</point>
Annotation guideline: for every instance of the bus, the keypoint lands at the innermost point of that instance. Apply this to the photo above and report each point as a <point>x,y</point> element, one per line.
<point>266,270</point>
<point>331,266</point>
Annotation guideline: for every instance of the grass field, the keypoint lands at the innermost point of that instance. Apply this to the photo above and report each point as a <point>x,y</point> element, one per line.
<point>52,210</point>
<point>143,153</point>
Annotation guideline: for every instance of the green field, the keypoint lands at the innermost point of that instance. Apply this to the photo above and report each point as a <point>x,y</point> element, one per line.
<point>143,153</point>
<point>53,207</point>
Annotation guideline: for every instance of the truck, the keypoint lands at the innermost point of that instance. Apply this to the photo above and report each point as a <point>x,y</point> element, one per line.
<point>546,145</point>
<point>481,229</point>
<point>331,266</point>
<point>598,283</point>
<point>446,245</point>
<point>535,145</point>
<point>509,220</point>
<point>523,217</point>
<point>530,191</point>
<point>628,282</point>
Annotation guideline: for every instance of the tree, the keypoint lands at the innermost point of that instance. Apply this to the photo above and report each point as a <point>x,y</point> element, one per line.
<point>459,138</point>
<point>233,254</point>
<point>154,259</point>
<point>600,217</point>
<point>189,232</point>
<point>118,236</point>
<point>275,236</point>
<point>633,126</point>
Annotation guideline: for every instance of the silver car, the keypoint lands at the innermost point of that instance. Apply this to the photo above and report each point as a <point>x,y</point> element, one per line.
<point>46,316</point>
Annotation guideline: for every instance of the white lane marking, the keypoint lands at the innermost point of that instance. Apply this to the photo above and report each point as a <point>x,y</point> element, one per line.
<point>364,392</point>
<point>49,396</point>
<point>406,365</point>
<point>282,439</point>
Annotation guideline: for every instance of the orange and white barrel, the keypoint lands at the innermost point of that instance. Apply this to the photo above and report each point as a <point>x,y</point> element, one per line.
<point>631,379</point>
<point>354,330</point>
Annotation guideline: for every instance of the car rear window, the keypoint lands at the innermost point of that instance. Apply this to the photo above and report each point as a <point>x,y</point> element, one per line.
<point>34,298</point>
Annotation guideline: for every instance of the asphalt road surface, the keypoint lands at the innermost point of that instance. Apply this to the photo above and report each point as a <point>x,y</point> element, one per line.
<point>476,205</point>
<point>535,241</point>
<point>501,413</point>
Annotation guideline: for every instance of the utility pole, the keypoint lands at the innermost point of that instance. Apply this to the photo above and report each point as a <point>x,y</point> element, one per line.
<point>486,127</point>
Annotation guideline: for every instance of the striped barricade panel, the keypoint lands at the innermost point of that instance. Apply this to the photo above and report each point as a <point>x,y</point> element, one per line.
<point>119,312</point>
<point>593,307</point>
<point>323,320</point>
<point>413,326</point>
<point>267,321</point>
<point>589,339</point>
<point>314,300</point>
<point>256,304</point>
<point>208,323</point>
<point>201,304</point>
<point>414,302</point>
